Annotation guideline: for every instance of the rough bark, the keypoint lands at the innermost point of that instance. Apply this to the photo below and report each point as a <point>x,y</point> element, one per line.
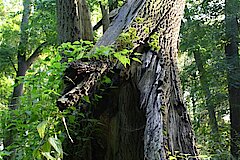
<point>232,57</point>
<point>74,21</point>
<point>207,93</point>
<point>167,126</point>
<point>86,21</point>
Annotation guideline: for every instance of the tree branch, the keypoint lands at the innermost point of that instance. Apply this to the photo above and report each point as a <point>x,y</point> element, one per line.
<point>98,25</point>
<point>12,64</point>
<point>36,53</point>
<point>111,15</point>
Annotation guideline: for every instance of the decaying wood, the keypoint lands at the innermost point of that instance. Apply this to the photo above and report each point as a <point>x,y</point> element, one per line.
<point>125,19</point>
<point>126,15</point>
<point>83,76</point>
<point>168,128</point>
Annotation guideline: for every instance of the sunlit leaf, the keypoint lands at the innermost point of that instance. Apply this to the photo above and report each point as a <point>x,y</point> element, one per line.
<point>137,60</point>
<point>48,156</point>
<point>137,54</point>
<point>41,128</point>
<point>57,145</point>
<point>123,59</point>
<point>86,98</point>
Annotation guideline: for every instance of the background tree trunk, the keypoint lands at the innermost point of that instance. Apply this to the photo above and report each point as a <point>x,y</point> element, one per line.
<point>74,22</point>
<point>23,65</point>
<point>22,49</point>
<point>23,62</point>
<point>207,93</point>
<point>21,71</point>
<point>105,16</point>
<point>232,57</point>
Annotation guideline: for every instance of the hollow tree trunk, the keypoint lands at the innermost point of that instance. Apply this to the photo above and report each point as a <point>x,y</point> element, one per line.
<point>123,124</point>
<point>232,57</point>
<point>152,88</point>
<point>207,93</point>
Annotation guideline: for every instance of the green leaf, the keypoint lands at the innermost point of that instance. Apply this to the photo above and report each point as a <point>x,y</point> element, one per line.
<point>87,42</point>
<point>57,145</point>
<point>76,42</point>
<point>137,60</point>
<point>57,65</point>
<point>36,154</point>
<point>123,59</point>
<point>86,98</point>
<point>125,52</point>
<point>137,54</point>
<point>106,80</point>
<point>5,153</point>
<point>80,55</point>
<point>41,128</point>
<point>57,57</point>
<point>46,147</point>
<point>34,118</point>
<point>72,118</point>
<point>103,51</point>
<point>48,156</point>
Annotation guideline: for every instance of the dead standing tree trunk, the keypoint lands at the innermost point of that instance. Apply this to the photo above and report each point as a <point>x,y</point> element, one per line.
<point>152,87</point>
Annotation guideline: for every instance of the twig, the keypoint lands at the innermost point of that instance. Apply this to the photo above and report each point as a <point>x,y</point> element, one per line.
<point>65,125</point>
